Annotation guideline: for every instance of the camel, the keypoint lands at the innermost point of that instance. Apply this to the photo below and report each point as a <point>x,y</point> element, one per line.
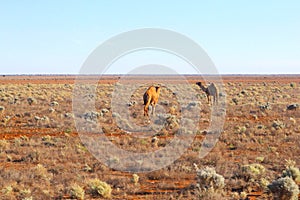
<point>211,90</point>
<point>151,98</point>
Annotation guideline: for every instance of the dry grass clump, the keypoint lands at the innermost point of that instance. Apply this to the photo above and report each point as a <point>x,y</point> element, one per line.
<point>135,179</point>
<point>3,145</point>
<point>99,188</point>
<point>15,191</point>
<point>77,192</point>
<point>40,172</point>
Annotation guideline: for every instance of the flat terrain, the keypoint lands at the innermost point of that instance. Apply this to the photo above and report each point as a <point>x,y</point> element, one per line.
<point>42,155</point>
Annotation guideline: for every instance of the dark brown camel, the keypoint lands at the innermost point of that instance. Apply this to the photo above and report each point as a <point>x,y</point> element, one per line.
<point>210,91</point>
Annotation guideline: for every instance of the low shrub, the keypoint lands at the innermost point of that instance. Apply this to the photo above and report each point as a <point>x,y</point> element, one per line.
<point>99,188</point>
<point>77,192</point>
<point>284,189</point>
<point>252,172</point>
<point>292,171</point>
<point>208,179</point>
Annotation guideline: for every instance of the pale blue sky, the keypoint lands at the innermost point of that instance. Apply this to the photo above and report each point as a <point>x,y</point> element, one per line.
<point>239,36</point>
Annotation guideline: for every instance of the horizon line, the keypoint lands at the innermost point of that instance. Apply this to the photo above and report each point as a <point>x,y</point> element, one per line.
<point>235,74</point>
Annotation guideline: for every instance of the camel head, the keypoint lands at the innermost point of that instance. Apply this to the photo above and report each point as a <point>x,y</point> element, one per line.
<point>199,83</point>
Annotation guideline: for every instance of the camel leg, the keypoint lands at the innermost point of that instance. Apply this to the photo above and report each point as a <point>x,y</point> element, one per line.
<point>145,111</point>
<point>153,109</point>
<point>146,108</point>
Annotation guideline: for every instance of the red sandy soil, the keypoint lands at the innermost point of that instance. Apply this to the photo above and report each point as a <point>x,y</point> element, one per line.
<point>150,186</point>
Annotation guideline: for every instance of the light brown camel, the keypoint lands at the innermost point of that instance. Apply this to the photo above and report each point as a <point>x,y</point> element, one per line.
<point>210,91</point>
<point>151,98</point>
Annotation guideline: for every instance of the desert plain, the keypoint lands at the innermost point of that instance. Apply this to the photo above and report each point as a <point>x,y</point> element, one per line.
<point>42,155</point>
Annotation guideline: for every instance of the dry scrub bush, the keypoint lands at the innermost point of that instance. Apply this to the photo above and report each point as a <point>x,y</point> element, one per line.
<point>292,171</point>
<point>135,179</point>
<point>252,171</point>
<point>54,103</point>
<point>168,121</point>
<point>40,172</point>
<point>25,194</point>
<point>210,184</point>
<point>77,192</point>
<point>253,175</point>
<point>6,191</point>
<point>284,189</point>
<point>91,116</point>
<point>277,124</point>
<point>209,180</point>
<point>97,187</point>
<point>31,100</point>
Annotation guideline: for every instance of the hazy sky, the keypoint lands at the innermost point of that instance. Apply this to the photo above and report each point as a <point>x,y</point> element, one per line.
<point>239,36</point>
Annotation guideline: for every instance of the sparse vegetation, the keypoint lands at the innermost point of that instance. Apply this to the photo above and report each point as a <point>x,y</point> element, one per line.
<point>42,157</point>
